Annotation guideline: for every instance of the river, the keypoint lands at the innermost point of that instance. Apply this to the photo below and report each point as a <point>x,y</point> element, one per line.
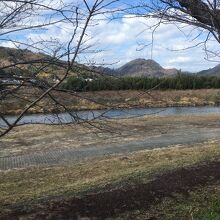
<point>112,113</point>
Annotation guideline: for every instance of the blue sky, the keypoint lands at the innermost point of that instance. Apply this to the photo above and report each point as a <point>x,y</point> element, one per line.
<point>121,40</point>
<point>127,39</point>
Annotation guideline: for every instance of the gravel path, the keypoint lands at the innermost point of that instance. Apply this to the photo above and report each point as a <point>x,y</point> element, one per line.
<point>181,136</point>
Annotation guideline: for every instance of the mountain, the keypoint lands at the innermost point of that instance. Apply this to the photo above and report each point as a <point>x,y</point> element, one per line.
<point>11,55</point>
<point>104,70</point>
<point>27,63</point>
<point>139,67</point>
<point>210,72</point>
<point>142,67</point>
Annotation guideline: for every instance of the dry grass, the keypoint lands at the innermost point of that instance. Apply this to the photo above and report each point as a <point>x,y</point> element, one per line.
<point>102,99</point>
<point>39,138</point>
<point>75,179</point>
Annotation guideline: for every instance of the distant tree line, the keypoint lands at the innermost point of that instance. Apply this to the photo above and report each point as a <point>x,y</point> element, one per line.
<point>179,82</point>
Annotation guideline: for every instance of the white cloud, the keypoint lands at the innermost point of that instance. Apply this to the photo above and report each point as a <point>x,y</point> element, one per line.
<point>120,41</point>
<point>179,59</point>
<point>123,38</point>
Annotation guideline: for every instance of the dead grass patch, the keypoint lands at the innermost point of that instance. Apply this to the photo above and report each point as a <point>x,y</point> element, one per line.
<point>18,186</point>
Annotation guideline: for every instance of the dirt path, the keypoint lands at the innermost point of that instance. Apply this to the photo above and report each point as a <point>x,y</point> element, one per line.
<point>181,135</point>
<point>110,203</point>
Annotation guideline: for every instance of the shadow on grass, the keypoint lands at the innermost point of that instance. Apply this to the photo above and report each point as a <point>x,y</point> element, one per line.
<point>111,203</point>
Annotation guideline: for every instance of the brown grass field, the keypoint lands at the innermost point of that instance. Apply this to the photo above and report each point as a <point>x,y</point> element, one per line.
<point>113,99</point>
<point>177,182</point>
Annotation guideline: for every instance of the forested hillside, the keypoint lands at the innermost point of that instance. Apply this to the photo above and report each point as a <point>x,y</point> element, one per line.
<point>179,82</point>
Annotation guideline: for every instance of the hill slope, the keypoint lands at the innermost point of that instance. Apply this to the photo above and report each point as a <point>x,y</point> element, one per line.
<point>137,67</point>
<point>210,72</point>
<point>142,67</point>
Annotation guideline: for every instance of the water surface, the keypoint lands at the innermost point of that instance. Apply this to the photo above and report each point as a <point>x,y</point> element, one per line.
<point>113,113</point>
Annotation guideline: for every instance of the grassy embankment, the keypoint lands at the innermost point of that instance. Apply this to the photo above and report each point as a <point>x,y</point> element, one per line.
<point>115,99</point>
<point>50,190</point>
<point>30,189</point>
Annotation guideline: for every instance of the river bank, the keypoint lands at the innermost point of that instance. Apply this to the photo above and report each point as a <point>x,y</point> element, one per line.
<point>157,179</point>
<point>112,99</point>
<point>151,130</point>
<point>177,182</point>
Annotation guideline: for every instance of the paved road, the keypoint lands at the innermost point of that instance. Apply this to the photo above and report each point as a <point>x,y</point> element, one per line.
<point>179,136</point>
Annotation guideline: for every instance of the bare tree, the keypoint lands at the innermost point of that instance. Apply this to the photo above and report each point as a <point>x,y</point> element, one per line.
<point>35,78</point>
<point>21,77</point>
<point>202,15</point>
